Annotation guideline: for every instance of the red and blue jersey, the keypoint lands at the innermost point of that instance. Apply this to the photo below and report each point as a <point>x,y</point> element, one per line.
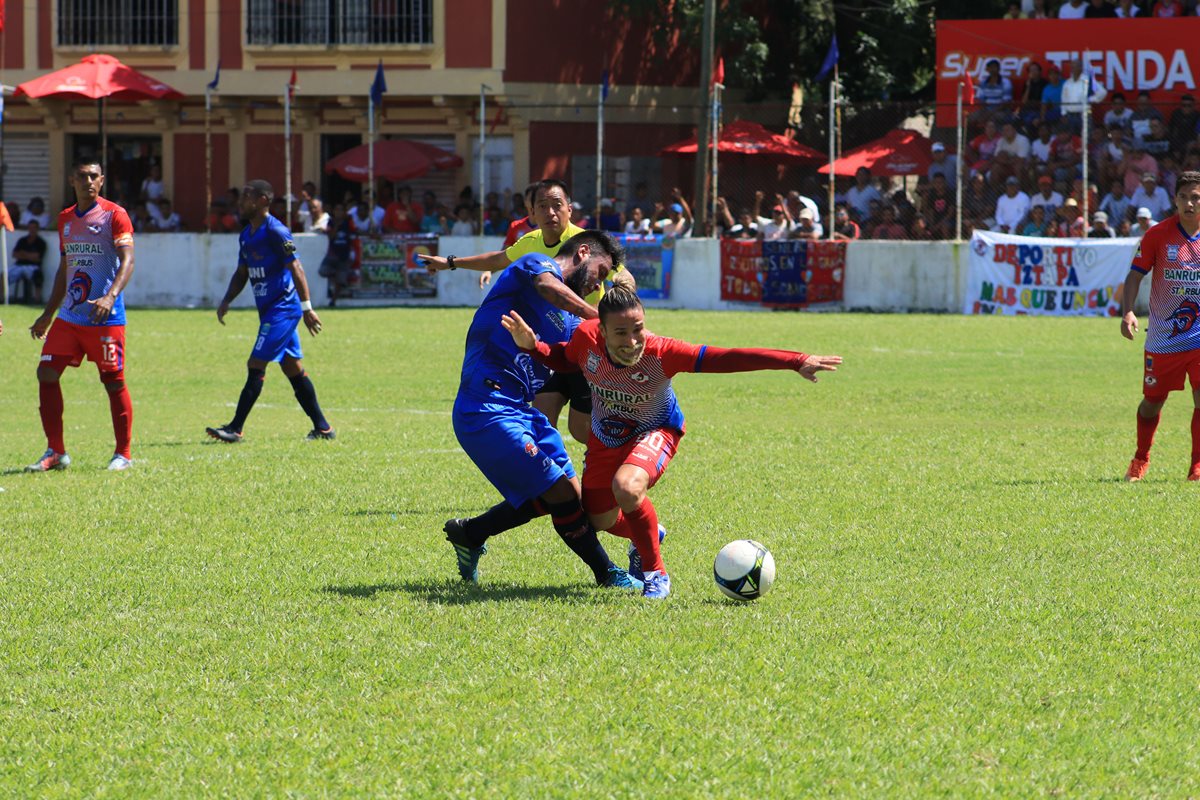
<point>629,401</point>
<point>1172,259</point>
<point>89,242</point>
<point>267,253</point>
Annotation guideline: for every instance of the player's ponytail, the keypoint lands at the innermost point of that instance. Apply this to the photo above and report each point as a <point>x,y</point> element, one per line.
<point>617,300</point>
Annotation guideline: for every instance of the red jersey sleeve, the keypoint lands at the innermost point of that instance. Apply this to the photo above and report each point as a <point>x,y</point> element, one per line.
<point>1143,257</point>
<point>677,356</point>
<point>554,356</point>
<point>747,359</point>
<point>122,228</point>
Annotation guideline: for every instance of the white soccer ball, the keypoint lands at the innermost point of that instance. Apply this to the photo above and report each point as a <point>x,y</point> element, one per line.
<point>744,570</point>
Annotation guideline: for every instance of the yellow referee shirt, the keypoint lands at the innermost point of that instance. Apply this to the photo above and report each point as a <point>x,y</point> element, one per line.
<point>533,242</point>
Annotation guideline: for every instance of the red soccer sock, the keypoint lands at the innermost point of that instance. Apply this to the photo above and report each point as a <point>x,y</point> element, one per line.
<point>1196,435</point>
<point>51,409</point>
<point>643,523</point>
<point>621,527</point>
<point>1145,434</point>
<point>122,416</point>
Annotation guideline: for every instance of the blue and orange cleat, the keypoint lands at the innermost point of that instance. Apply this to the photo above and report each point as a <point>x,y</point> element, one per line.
<point>50,460</point>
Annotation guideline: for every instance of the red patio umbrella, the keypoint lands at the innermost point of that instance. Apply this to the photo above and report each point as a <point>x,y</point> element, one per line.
<point>395,160</point>
<point>98,77</point>
<point>751,139</point>
<point>898,152</point>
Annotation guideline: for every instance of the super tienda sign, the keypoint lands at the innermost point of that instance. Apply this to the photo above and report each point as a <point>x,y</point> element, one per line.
<point>1159,56</point>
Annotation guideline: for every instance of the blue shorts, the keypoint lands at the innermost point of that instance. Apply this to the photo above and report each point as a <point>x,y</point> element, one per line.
<point>515,448</point>
<point>277,339</point>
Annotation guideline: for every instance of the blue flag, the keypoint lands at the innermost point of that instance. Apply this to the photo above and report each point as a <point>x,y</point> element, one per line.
<point>604,85</point>
<point>378,86</point>
<point>216,78</point>
<point>830,60</point>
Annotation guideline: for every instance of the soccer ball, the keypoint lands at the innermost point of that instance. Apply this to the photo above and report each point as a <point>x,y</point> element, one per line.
<point>744,570</point>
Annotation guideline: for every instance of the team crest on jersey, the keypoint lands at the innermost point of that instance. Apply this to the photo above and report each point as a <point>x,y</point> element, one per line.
<point>67,229</point>
<point>94,229</point>
<point>1151,380</point>
<point>80,289</point>
<point>1172,252</point>
<point>289,247</point>
<point>639,377</point>
<point>1149,362</point>
<point>1184,317</point>
<point>530,448</point>
<point>593,362</point>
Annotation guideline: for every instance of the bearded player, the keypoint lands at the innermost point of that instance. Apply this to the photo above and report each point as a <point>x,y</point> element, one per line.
<point>95,264</point>
<point>1170,254</point>
<point>636,421</point>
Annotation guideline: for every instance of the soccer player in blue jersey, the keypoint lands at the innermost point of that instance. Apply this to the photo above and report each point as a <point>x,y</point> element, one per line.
<point>267,259</point>
<point>511,442</point>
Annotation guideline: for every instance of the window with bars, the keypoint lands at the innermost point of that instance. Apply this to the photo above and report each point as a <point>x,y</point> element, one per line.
<point>90,23</point>
<point>339,22</point>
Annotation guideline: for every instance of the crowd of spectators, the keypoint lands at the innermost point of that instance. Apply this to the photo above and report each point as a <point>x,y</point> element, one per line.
<point>1100,9</point>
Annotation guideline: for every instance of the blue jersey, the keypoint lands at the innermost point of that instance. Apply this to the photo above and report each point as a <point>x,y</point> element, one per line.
<point>267,253</point>
<point>494,369</point>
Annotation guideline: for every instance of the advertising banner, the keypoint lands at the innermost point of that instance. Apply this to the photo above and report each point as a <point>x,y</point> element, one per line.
<point>391,269</point>
<point>650,259</point>
<point>1057,277</point>
<point>741,270</point>
<point>788,273</point>
<point>1124,55</point>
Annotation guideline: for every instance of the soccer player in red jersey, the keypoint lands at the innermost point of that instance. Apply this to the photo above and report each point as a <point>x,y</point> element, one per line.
<point>636,420</point>
<point>96,262</point>
<point>1170,254</point>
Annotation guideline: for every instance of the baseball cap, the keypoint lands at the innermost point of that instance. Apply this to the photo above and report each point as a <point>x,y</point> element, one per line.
<point>805,213</point>
<point>678,209</point>
<point>938,147</point>
<point>1012,181</point>
<point>1099,216</point>
<point>1150,176</point>
<point>1071,202</point>
<point>1144,213</point>
<point>578,206</point>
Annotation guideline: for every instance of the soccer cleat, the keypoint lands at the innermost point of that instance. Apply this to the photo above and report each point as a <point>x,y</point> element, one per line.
<point>635,560</point>
<point>315,434</point>
<point>1194,472</point>
<point>658,585</point>
<point>1137,469</point>
<point>468,557</point>
<point>119,462</point>
<point>50,460</point>
<point>225,434</point>
<point>618,578</point>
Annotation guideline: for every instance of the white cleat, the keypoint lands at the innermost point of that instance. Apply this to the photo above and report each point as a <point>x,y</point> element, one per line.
<point>119,462</point>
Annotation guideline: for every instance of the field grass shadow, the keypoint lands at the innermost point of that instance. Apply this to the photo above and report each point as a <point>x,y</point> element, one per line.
<point>458,593</point>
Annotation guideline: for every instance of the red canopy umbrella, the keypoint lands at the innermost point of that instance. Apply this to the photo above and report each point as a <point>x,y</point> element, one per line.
<point>98,77</point>
<point>395,160</point>
<point>898,152</point>
<point>751,139</point>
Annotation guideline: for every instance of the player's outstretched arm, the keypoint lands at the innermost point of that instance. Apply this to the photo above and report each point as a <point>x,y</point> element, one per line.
<point>57,292</point>
<point>236,284</point>
<point>483,262</point>
<point>1129,320</point>
<point>814,364</point>
<point>753,359</point>
<point>311,320</point>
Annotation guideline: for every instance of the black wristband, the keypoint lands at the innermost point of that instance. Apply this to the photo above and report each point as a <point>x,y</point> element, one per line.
<point>450,262</point>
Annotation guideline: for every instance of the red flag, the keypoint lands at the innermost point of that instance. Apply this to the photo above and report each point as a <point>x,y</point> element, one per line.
<point>718,75</point>
<point>968,90</point>
<point>292,85</point>
<point>1,15</point>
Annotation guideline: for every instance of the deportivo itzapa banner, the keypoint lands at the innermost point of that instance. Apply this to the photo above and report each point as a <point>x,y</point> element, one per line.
<point>650,260</point>
<point>391,267</point>
<point>790,273</point>
<point>1125,55</point>
<point>1057,277</point>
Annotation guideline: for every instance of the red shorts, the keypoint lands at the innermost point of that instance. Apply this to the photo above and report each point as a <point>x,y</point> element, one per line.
<point>1165,373</point>
<point>652,451</point>
<point>103,344</point>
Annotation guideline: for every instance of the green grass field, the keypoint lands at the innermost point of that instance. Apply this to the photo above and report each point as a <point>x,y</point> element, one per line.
<point>969,601</point>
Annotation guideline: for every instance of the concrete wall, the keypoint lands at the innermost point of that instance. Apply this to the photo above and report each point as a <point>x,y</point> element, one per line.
<point>193,270</point>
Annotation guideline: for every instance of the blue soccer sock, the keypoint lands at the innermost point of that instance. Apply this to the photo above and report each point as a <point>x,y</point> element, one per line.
<point>249,396</point>
<point>307,395</point>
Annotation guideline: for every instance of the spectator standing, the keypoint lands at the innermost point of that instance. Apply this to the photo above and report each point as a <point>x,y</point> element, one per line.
<point>1066,150</point>
<point>35,211</point>
<point>860,195</point>
<point>1127,10</point>
<point>1117,204</point>
<point>167,221</point>
<point>1139,120</point>
<point>1072,9</point>
<point>1152,196</point>
<point>678,221</point>
<point>994,93</point>
<point>319,221</point>
<point>1135,166</point>
<point>522,225</point>
<point>1119,114</point>
<point>367,214</point>
<point>1078,91</point>
<point>938,207</point>
<point>402,214</point>
<point>342,253</point>
<point>1011,207</point>
<point>1157,142</point>
<point>637,222</point>
<point>29,253</point>
<point>1039,148</point>
<point>1052,96</point>
<point>982,149</point>
<point>979,203</point>
<point>943,164</point>
<point>1012,153</point>
<point>152,186</point>
<point>1030,111</point>
<point>744,228</point>
<point>304,214</point>
<point>1185,121</point>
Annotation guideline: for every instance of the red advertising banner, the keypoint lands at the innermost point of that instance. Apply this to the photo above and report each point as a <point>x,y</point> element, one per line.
<point>1159,56</point>
<point>741,270</point>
